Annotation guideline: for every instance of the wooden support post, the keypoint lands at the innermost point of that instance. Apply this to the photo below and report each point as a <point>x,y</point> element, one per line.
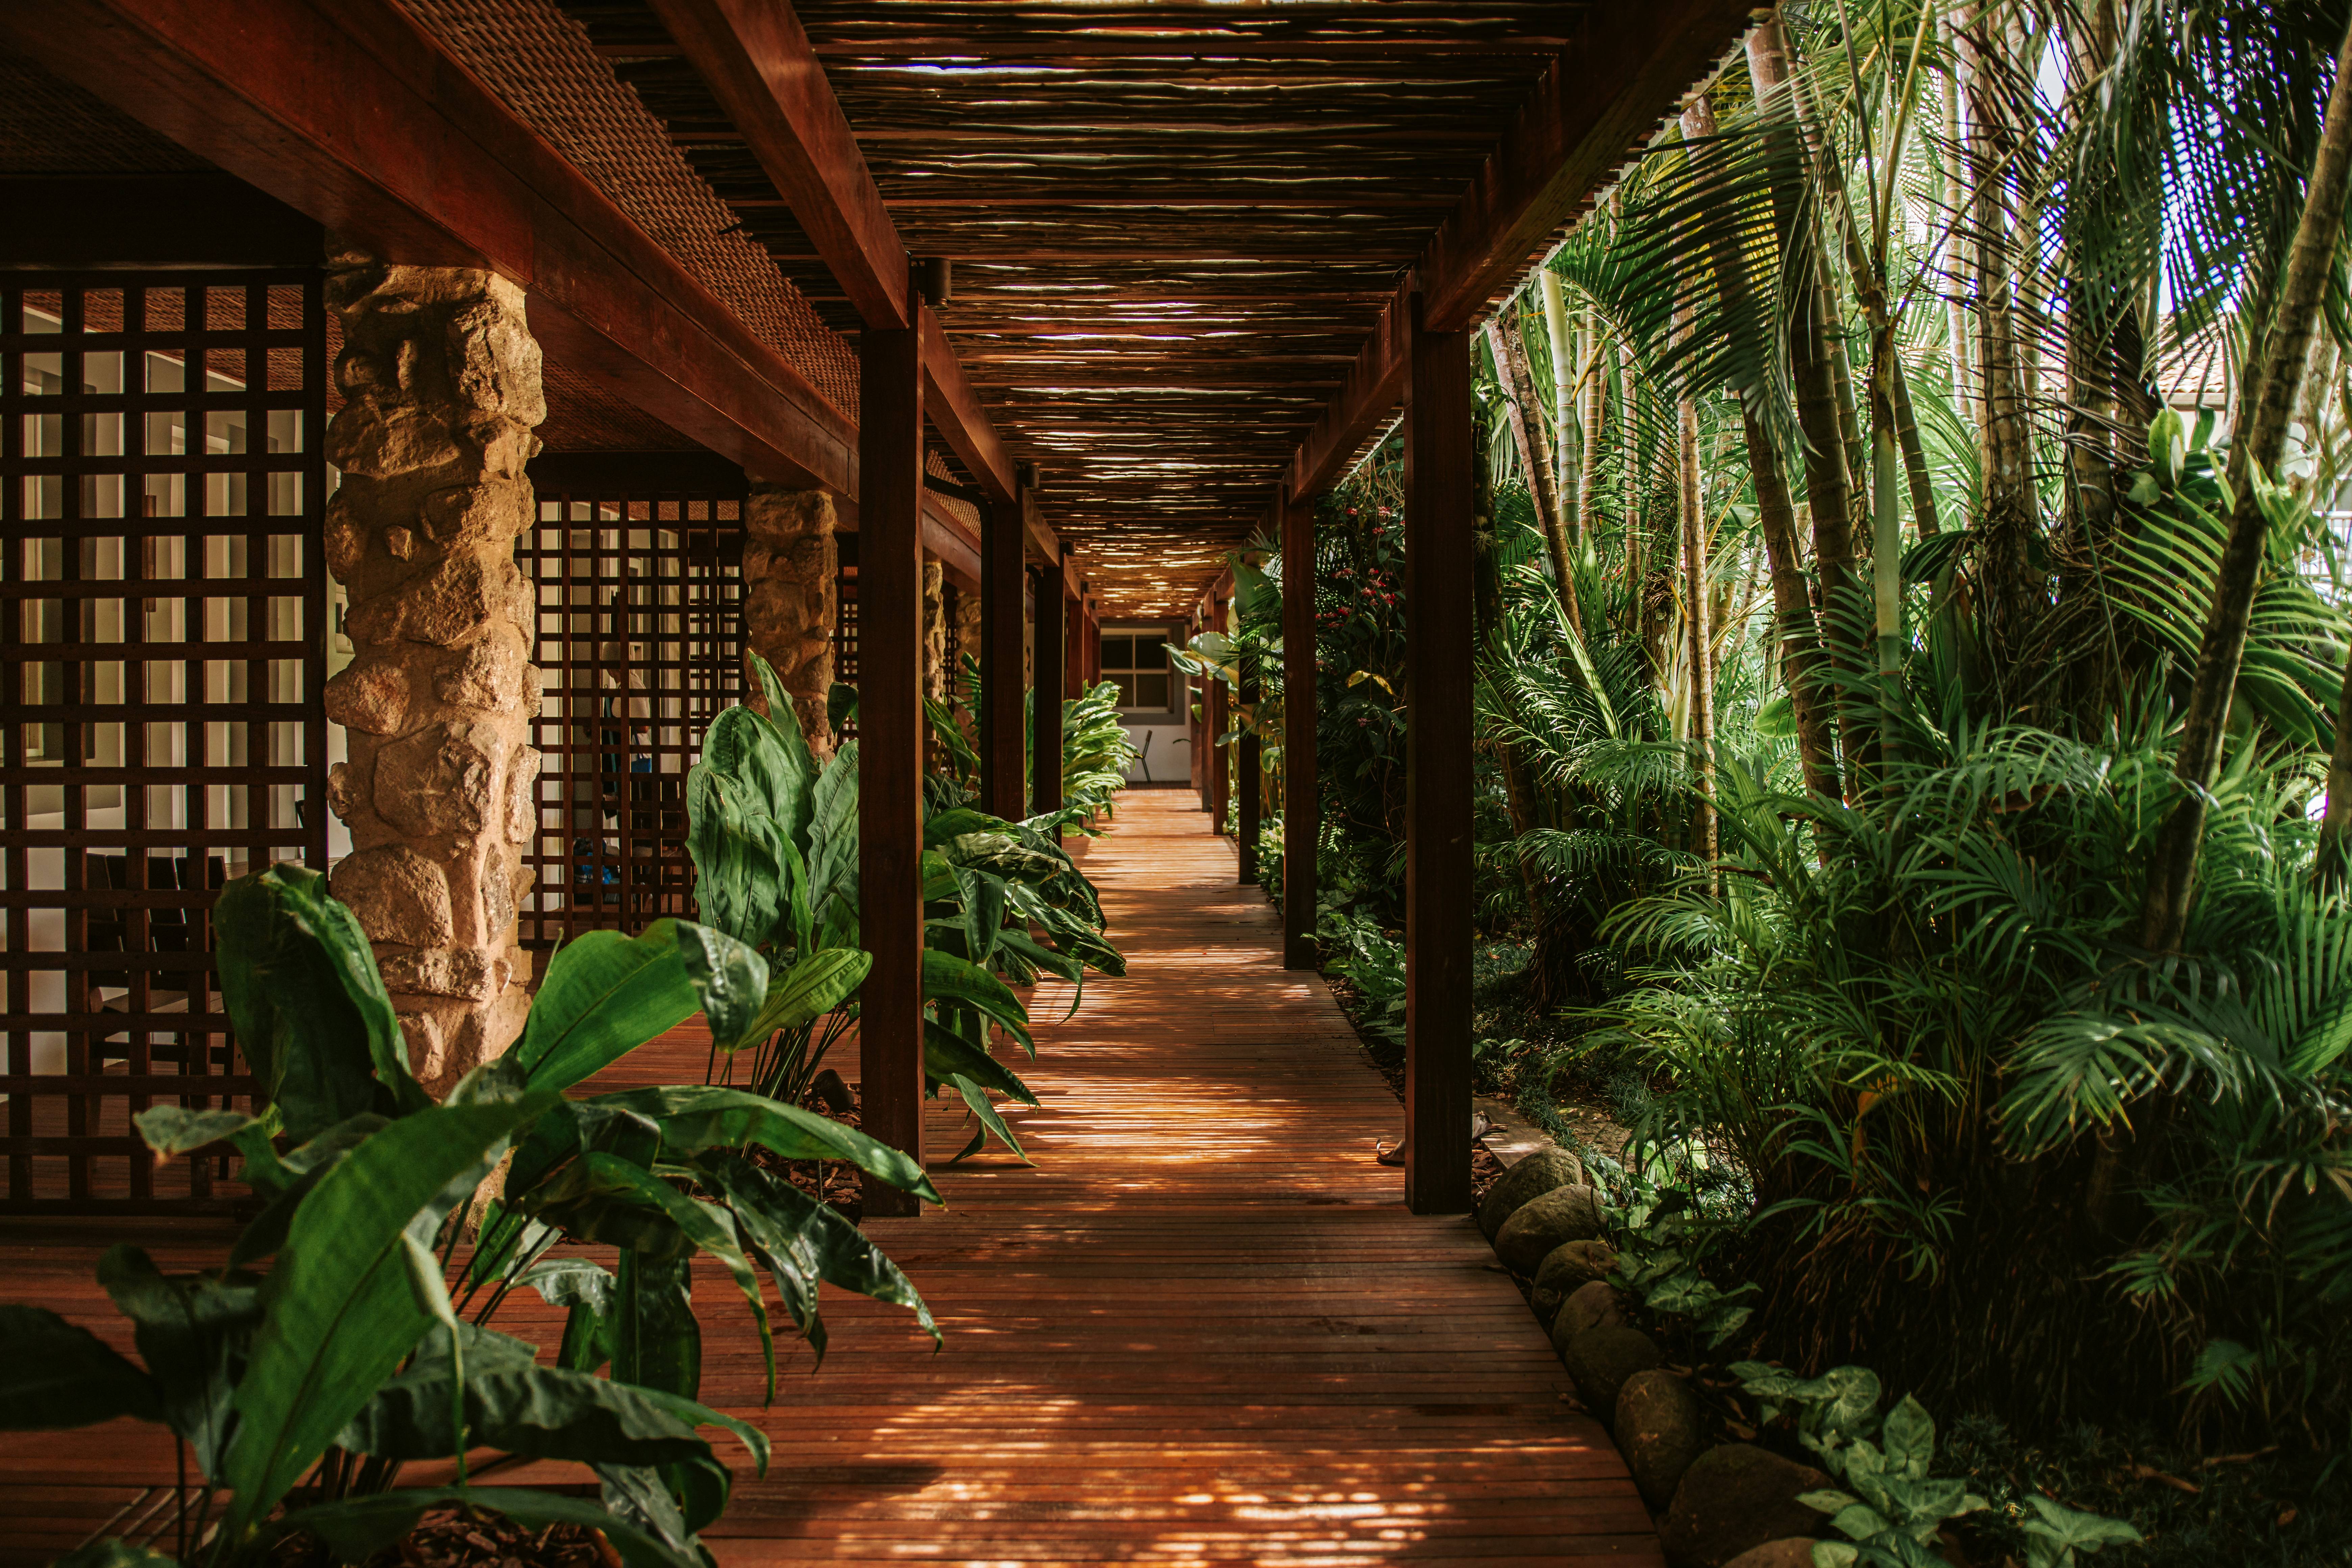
<point>890,744</point>
<point>1250,780</point>
<point>1004,681</point>
<point>1220,760</point>
<point>1440,485</point>
<point>1053,649</point>
<point>1302,802</point>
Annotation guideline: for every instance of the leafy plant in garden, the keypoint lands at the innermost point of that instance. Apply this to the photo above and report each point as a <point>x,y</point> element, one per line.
<point>1096,750</point>
<point>366,1344</point>
<point>1892,1507</point>
<point>775,841</point>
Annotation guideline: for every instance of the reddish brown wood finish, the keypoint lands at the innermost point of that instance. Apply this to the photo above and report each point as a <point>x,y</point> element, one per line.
<point>1200,1329</point>
<point>1302,800</point>
<point>1002,682</point>
<point>956,414</point>
<point>352,114</point>
<point>1591,110</point>
<point>890,742</point>
<point>1052,640</point>
<point>1440,485</point>
<point>758,63</point>
<point>1220,760</point>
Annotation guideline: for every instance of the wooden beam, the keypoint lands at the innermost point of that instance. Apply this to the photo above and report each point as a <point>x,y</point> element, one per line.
<point>956,415</point>
<point>948,542</point>
<point>891,747</point>
<point>355,117</point>
<point>1594,108</point>
<point>1591,110</point>
<point>1250,781</point>
<point>1370,389</point>
<point>758,63</point>
<point>1440,491</point>
<point>1301,803</point>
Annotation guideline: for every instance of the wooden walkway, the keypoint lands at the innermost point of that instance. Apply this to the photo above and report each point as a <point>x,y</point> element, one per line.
<point>1200,1329</point>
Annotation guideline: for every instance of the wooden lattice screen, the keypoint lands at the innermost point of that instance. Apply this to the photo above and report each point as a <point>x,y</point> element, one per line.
<point>844,631</point>
<point>163,604</point>
<point>640,591</point>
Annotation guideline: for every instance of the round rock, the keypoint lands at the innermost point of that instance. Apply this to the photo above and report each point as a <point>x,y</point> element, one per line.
<point>1657,1430</point>
<point>1598,1305</point>
<point>1567,1269</point>
<point>1531,1178</point>
<point>1732,1499</point>
<point>1539,1226</point>
<point>1600,1360</point>
<point>1795,1553</point>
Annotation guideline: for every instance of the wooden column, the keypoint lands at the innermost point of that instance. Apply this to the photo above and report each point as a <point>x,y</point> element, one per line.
<point>1440,486</point>
<point>1074,657</point>
<point>1250,780</point>
<point>1053,649</point>
<point>890,744</point>
<point>1220,760</point>
<point>1004,677</point>
<point>1302,802</point>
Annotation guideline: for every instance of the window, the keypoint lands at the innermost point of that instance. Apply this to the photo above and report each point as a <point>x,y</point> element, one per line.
<point>1136,663</point>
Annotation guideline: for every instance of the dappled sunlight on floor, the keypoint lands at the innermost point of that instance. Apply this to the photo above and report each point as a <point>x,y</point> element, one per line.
<point>1201,1329</point>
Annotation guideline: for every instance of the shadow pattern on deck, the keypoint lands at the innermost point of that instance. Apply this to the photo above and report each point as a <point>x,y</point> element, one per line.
<point>1202,1329</point>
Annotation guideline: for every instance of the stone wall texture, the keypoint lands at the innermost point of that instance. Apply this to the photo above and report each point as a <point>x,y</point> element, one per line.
<point>790,563</point>
<point>441,379</point>
<point>935,631</point>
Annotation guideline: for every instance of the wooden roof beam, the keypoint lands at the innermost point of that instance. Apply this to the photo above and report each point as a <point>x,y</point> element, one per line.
<point>359,119</point>
<point>1591,111</point>
<point>758,62</point>
<point>955,411</point>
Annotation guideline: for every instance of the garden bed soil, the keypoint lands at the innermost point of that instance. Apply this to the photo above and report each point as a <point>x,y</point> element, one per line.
<point>461,1538</point>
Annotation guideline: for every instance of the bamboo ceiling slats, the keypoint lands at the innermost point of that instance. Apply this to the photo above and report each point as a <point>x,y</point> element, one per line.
<point>1172,226</point>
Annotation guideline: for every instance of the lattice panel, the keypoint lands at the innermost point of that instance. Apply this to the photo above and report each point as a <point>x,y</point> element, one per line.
<point>164,608</point>
<point>640,648</point>
<point>845,640</point>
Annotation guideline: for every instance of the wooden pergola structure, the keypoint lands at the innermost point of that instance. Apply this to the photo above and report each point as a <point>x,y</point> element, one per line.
<point>1126,286</point>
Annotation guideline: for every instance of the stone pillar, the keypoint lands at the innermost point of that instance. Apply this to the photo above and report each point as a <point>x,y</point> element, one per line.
<point>935,631</point>
<point>441,383</point>
<point>789,565</point>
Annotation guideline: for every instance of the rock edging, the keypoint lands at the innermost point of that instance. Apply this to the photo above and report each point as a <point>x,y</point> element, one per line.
<point>1731,1506</point>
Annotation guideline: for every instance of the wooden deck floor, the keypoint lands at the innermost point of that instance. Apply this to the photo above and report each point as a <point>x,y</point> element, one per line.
<point>1200,1329</point>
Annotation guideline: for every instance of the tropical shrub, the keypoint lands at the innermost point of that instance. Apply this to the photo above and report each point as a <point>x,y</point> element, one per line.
<point>365,1344</point>
<point>774,842</point>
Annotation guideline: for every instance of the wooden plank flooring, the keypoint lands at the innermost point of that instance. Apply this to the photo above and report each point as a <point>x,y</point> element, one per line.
<point>1201,1329</point>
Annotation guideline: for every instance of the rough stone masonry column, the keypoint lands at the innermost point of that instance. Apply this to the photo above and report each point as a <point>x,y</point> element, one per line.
<point>789,567</point>
<point>935,631</point>
<point>442,380</point>
<point>967,641</point>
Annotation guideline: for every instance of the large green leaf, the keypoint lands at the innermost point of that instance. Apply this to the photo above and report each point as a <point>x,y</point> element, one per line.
<point>709,1227</point>
<point>115,1552</point>
<point>589,1297</point>
<point>948,1054</point>
<point>813,987</point>
<point>170,1130</point>
<point>541,1412</point>
<point>819,1237</point>
<point>730,977</point>
<point>958,982</point>
<point>698,1117</point>
<point>54,1374</point>
<point>656,1339</point>
<point>833,836</point>
<point>340,1313</point>
<point>193,1332</point>
<point>603,996</point>
<point>308,1001</point>
<point>984,1115</point>
<point>358,1528</point>
<point>295,1174</point>
<point>738,853</point>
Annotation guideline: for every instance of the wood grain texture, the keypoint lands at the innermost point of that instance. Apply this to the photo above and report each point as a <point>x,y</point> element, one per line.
<point>1201,1329</point>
